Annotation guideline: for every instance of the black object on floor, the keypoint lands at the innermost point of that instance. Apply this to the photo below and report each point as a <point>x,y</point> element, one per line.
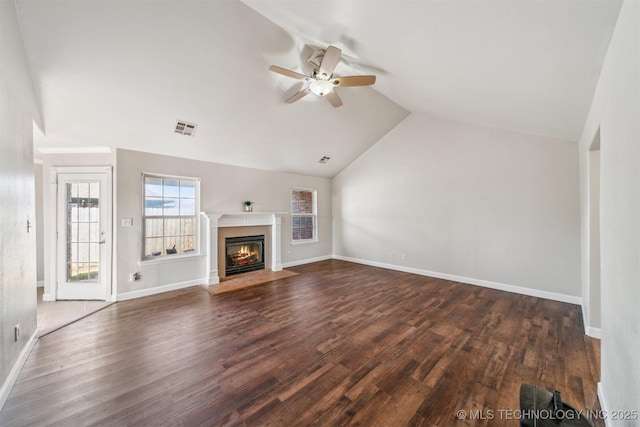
<point>541,408</point>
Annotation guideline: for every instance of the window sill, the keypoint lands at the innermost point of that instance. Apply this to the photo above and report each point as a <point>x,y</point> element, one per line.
<point>169,258</point>
<point>304,242</point>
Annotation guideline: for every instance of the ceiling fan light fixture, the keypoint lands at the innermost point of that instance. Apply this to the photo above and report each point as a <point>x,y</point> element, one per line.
<point>321,87</point>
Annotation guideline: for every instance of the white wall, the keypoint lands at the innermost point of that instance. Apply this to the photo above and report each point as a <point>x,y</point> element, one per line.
<point>223,188</point>
<point>615,111</point>
<point>18,110</point>
<point>488,206</point>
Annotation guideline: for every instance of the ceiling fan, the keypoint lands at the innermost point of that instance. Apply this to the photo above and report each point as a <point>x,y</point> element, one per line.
<point>322,80</point>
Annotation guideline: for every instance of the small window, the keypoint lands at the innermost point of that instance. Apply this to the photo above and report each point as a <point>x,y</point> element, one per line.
<point>170,219</point>
<point>303,215</point>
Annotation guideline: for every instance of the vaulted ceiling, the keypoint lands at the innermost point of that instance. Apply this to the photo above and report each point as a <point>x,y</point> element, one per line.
<point>120,73</point>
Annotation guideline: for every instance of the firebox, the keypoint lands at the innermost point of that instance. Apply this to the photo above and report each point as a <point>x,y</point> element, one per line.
<point>244,254</point>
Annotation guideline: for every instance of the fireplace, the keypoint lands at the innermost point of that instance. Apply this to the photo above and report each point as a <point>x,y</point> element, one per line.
<point>235,224</point>
<point>244,254</point>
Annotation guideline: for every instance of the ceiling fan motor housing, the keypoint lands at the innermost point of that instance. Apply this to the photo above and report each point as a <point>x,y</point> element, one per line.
<point>316,58</point>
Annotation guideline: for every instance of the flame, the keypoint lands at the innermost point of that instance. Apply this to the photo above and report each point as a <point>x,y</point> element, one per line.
<point>245,256</point>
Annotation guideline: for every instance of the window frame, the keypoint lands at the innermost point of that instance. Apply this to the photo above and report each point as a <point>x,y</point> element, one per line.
<point>314,215</point>
<point>164,257</point>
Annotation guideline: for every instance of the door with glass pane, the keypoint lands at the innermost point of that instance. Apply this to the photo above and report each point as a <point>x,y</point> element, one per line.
<point>84,236</point>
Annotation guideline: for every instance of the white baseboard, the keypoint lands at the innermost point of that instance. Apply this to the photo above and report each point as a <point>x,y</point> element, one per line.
<point>174,286</point>
<point>603,404</point>
<point>593,332</point>
<point>40,283</point>
<point>17,367</point>
<point>589,330</point>
<point>470,281</point>
<point>157,290</point>
<point>48,297</point>
<point>306,261</point>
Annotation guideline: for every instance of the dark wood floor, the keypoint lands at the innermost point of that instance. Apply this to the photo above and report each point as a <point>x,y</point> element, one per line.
<point>338,344</point>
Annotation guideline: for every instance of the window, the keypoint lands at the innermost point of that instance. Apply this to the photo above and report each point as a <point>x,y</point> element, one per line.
<point>303,215</point>
<point>170,218</point>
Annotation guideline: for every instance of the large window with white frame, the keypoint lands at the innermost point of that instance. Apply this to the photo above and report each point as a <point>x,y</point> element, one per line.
<point>170,220</point>
<point>304,222</point>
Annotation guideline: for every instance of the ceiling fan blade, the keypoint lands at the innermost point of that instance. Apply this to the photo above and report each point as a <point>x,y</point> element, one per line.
<point>288,73</point>
<point>334,99</point>
<point>329,62</point>
<point>298,96</point>
<point>354,81</point>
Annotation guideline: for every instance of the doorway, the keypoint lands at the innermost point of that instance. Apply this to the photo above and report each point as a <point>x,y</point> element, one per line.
<point>83,233</point>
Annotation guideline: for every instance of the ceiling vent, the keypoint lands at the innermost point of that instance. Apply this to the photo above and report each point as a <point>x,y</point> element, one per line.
<point>324,159</point>
<point>185,128</point>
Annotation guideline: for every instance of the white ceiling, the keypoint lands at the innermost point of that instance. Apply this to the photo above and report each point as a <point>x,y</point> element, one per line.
<point>120,73</point>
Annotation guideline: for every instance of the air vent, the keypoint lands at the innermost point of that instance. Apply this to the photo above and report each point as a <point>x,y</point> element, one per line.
<point>324,159</point>
<point>185,128</point>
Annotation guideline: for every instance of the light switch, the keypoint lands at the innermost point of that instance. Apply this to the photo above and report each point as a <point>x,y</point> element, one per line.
<point>127,222</point>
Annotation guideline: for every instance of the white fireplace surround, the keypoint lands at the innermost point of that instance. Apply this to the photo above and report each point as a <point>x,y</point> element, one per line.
<point>243,219</point>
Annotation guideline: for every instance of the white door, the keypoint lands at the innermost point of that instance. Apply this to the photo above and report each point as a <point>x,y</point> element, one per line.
<point>84,235</point>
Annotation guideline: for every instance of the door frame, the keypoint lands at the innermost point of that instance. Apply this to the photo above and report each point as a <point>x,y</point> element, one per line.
<point>592,293</point>
<point>108,222</point>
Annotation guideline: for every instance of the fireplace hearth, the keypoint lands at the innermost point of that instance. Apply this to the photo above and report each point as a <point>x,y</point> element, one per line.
<point>243,254</point>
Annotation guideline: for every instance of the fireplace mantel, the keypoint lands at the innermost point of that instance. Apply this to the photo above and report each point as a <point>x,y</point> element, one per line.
<point>242,219</point>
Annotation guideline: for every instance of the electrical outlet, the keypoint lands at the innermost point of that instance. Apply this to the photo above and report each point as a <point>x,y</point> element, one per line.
<point>391,255</point>
<point>16,332</point>
<point>404,256</point>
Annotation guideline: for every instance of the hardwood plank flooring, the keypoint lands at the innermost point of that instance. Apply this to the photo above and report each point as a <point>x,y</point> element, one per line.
<point>338,344</point>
